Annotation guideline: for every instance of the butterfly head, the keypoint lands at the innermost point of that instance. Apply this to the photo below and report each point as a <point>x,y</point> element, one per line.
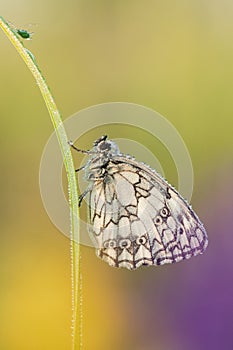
<point>102,145</point>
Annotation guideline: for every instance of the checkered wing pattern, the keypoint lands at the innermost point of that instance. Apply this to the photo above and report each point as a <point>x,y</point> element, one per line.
<point>137,218</point>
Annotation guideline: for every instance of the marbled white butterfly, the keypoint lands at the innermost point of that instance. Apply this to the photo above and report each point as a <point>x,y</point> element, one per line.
<point>136,217</point>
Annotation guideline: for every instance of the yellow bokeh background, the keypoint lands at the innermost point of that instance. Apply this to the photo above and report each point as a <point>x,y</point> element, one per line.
<point>173,57</point>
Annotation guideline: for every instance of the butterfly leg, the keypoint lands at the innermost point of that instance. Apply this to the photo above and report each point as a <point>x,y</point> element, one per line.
<point>80,199</point>
<point>81,168</point>
<point>80,150</point>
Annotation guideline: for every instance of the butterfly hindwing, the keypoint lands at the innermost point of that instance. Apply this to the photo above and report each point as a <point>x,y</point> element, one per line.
<point>138,219</point>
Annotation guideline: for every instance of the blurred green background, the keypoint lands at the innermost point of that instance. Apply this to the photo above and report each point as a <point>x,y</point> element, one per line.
<point>174,57</point>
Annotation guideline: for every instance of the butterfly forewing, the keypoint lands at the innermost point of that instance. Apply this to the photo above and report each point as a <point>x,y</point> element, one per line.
<point>136,217</point>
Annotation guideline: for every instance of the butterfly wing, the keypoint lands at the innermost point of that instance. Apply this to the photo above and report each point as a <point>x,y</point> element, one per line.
<point>138,219</point>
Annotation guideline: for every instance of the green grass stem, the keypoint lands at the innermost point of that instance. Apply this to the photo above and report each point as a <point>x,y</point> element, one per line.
<point>70,171</point>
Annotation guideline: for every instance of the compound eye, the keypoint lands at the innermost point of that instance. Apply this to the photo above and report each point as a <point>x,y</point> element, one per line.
<point>104,146</point>
<point>141,240</point>
<point>125,243</point>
